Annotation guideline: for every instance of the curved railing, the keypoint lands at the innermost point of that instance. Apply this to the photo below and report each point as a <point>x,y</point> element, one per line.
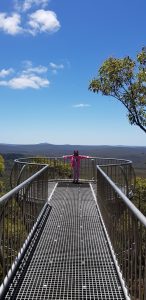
<point>119,170</point>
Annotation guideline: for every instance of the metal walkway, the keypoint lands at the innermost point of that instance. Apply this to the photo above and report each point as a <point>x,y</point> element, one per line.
<point>69,257</point>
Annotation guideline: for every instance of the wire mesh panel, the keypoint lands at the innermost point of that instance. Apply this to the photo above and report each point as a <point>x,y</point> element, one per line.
<point>72,259</point>
<point>126,227</point>
<point>19,211</point>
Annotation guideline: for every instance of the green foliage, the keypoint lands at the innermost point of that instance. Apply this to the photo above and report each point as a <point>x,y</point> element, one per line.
<point>57,168</point>
<point>125,80</point>
<point>2,167</point>
<point>1,186</point>
<point>139,198</point>
<point>1,164</point>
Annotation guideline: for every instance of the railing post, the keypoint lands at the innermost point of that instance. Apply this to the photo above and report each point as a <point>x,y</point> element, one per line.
<point>93,169</point>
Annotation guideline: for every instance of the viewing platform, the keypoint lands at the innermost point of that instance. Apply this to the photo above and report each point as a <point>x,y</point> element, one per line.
<point>66,241</point>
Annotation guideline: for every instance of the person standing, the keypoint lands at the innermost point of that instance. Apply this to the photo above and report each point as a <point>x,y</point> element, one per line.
<point>75,164</point>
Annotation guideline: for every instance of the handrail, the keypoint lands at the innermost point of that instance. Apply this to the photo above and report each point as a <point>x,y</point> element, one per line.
<point>124,161</point>
<point>87,170</point>
<point>125,199</point>
<point>15,190</point>
<point>126,227</point>
<point>20,209</point>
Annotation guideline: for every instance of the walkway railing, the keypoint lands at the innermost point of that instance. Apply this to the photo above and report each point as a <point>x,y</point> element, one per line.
<point>119,170</point>
<point>19,212</point>
<point>126,227</point>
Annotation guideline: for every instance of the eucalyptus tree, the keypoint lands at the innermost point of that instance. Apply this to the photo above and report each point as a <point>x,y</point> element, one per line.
<point>125,80</point>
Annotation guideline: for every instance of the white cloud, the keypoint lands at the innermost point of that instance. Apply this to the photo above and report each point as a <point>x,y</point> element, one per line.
<point>28,81</point>
<point>5,72</point>
<point>28,4</point>
<point>10,24</point>
<point>43,21</point>
<point>81,105</point>
<point>24,82</point>
<point>30,77</point>
<point>27,64</point>
<point>34,22</point>
<point>38,70</point>
<point>56,67</point>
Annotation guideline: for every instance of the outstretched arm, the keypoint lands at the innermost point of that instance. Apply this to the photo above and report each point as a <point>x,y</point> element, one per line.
<point>84,156</point>
<point>67,156</point>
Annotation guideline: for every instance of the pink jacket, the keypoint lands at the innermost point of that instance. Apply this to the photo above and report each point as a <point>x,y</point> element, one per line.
<point>75,159</point>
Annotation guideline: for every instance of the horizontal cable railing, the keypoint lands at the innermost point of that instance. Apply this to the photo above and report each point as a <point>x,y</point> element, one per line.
<point>19,211</point>
<point>126,227</point>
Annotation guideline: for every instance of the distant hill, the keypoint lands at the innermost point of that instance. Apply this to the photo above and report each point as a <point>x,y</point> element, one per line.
<point>136,154</point>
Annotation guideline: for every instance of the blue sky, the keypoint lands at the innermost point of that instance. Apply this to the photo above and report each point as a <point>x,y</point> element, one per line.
<point>50,50</point>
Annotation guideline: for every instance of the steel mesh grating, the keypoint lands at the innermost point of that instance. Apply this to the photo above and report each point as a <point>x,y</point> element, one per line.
<point>72,259</point>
